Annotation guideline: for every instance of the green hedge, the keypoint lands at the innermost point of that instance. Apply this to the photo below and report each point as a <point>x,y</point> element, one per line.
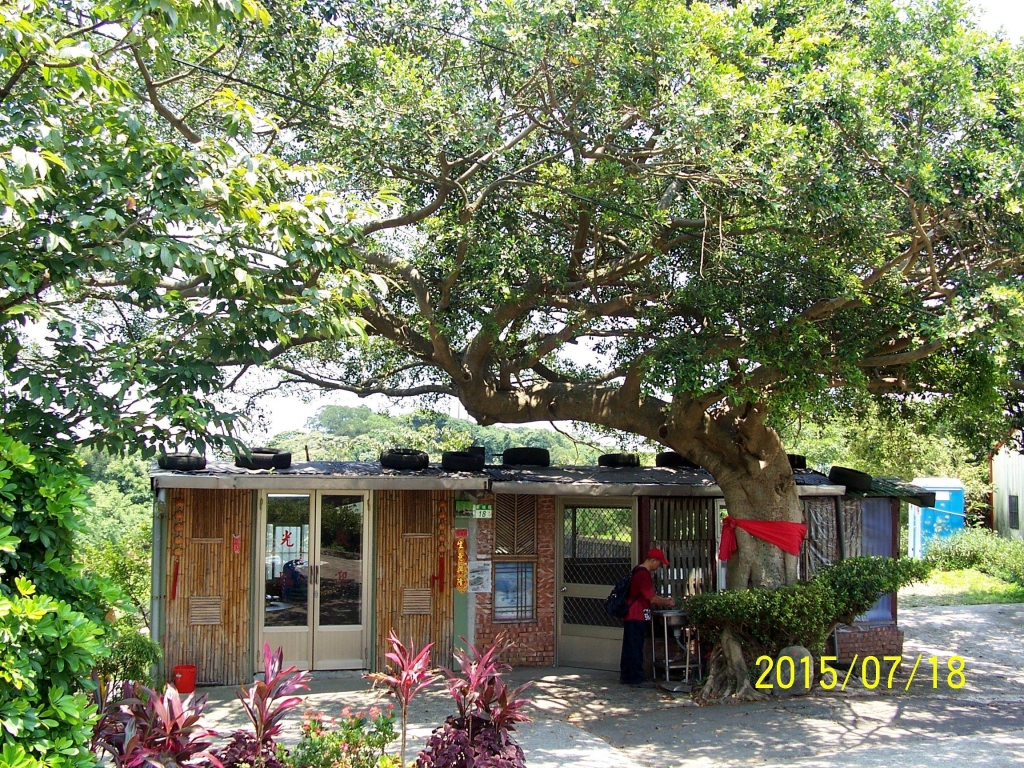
<point>981,549</point>
<point>768,620</point>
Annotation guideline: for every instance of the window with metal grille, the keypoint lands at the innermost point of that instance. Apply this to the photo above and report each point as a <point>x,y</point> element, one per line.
<point>1014,510</point>
<point>515,555</point>
<point>515,525</point>
<point>514,591</point>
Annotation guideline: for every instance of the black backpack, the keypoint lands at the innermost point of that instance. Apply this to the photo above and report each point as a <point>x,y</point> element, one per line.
<point>617,603</point>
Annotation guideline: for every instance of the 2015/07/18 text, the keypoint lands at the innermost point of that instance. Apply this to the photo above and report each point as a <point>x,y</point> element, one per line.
<point>871,672</point>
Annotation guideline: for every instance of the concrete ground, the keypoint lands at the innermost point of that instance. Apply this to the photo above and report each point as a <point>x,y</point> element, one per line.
<point>584,718</point>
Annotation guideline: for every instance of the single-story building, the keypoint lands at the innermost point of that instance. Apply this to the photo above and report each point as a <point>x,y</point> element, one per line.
<point>1007,471</point>
<point>325,558</point>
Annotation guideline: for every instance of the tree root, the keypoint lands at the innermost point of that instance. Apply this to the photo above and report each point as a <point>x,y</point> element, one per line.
<point>728,678</point>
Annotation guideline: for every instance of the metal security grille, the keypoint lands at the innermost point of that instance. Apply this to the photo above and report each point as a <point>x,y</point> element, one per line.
<point>587,611</point>
<point>515,525</point>
<point>687,531</point>
<point>598,544</point>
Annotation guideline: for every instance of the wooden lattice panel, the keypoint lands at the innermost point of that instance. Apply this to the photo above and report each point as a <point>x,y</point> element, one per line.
<point>515,525</point>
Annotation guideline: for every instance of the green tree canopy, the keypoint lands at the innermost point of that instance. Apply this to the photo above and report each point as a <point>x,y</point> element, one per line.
<point>678,219</point>
<point>147,240</point>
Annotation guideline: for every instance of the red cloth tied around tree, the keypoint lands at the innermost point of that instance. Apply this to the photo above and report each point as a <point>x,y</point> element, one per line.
<point>783,534</point>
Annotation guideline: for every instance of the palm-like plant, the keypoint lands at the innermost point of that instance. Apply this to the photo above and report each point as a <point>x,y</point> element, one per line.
<point>410,675</point>
<point>147,730</point>
<point>481,692</point>
<point>266,701</point>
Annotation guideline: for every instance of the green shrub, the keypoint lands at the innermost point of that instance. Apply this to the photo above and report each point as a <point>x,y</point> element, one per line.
<point>51,615</point>
<point>982,550</point>
<point>768,620</point>
<point>857,582</point>
<point>357,740</point>
<point>132,656</point>
<point>765,620</point>
<point>126,561</point>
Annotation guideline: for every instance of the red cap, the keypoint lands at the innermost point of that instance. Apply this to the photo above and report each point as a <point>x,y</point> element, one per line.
<point>656,554</point>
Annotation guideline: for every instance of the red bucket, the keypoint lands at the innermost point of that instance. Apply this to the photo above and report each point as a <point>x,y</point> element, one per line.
<point>185,678</point>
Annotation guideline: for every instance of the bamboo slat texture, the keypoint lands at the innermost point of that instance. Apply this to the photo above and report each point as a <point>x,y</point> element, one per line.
<point>209,571</point>
<point>414,536</point>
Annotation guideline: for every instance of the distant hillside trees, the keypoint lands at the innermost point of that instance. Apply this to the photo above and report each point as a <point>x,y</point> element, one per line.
<point>343,433</point>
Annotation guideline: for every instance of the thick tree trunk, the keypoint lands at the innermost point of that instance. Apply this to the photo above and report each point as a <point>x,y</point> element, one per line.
<point>749,463</point>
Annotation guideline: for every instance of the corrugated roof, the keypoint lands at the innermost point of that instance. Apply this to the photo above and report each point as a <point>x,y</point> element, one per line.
<point>893,487</point>
<point>370,474</point>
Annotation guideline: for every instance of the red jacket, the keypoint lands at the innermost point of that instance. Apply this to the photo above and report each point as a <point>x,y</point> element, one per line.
<point>641,590</point>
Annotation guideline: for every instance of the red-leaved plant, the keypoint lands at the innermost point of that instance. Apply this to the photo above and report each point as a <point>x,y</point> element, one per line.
<point>265,701</point>
<point>411,673</point>
<point>488,711</point>
<point>147,730</point>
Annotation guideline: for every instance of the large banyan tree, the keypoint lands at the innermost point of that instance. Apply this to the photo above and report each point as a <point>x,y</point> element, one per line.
<point>677,219</point>
<point>682,220</point>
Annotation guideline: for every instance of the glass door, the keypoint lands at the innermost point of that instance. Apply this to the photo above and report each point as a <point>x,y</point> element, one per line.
<point>286,602</point>
<point>314,586</point>
<point>338,639</point>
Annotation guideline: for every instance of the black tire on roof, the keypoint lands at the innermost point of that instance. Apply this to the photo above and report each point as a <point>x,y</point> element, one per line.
<point>796,461</point>
<point>674,460</point>
<point>181,462</point>
<point>461,461</point>
<point>853,479</point>
<point>264,458</point>
<point>618,460</point>
<point>404,458</point>
<point>526,457</point>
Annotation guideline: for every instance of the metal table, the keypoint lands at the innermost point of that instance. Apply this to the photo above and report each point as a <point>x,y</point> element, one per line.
<point>676,623</point>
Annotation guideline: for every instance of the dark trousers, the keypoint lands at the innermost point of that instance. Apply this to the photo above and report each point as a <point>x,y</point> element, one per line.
<point>631,667</point>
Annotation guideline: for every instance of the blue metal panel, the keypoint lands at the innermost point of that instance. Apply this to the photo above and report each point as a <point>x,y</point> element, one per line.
<point>876,521</point>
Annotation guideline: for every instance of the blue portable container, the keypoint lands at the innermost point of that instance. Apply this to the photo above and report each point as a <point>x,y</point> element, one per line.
<point>942,520</point>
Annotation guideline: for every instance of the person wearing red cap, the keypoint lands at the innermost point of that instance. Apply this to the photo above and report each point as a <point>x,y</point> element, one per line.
<point>634,627</point>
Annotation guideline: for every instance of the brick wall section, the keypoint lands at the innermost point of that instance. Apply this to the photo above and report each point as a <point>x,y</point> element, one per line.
<point>534,640</point>
<point>885,640</point>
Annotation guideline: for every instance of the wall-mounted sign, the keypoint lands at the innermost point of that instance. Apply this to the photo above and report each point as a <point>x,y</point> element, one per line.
<point>480,576</point>
<point>473,509</point>
<point>461,559</point>
<point>236,544</point>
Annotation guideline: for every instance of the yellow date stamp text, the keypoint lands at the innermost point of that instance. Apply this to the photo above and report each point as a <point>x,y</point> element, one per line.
<point>872,672</point>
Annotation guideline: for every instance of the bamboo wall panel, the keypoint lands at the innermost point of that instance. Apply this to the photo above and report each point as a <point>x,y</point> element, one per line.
<point>210,574</point>
<point>414,536</point>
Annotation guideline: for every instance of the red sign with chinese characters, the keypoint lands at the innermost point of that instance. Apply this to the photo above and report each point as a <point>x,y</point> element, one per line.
<point>462,559</point>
